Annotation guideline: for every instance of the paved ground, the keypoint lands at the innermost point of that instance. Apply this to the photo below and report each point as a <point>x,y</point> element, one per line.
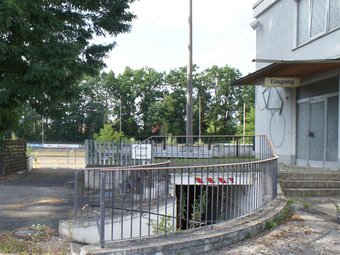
<point>307,232</point>
<point>43,196</point>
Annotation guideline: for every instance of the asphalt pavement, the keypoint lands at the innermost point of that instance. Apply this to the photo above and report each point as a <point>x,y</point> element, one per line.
<point>42,196</point>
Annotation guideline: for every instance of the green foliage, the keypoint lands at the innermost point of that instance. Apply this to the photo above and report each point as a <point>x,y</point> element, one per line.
<point>142,102</point>
<point>10,245</point>
<point>270,225</point>
<point>280,218</point>
<point>250,123</point>
<point>29,151</point>
<point>170,140</point>
<point>291,201</point>
<point>107,133</point>
<point>47,46</point>
<point>164,225</point>
<point>198,209</point>
<point>224,102</point>
<point>182,208</point>
<point>199,143</point>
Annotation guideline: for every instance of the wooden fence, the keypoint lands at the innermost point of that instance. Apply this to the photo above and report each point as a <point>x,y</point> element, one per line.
<point>12,157</point>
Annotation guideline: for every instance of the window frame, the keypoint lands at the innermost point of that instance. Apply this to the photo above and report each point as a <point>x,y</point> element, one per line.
<point>326,26</point>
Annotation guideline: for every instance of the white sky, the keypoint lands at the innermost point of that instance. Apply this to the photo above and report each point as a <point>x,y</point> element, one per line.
<point>159,36</point>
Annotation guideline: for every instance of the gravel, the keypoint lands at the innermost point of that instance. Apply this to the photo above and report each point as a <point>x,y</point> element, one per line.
<point>305,232</point>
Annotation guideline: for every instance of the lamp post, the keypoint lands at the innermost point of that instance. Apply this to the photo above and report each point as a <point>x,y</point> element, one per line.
<point>189,81</point>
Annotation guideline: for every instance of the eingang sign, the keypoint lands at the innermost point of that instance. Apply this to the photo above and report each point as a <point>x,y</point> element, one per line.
<point>284,82</point>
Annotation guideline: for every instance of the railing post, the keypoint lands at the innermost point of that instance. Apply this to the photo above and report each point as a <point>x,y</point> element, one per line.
<point>75,205</point>
<point>102,209</point>
<point>253,143</point>
<point>237,145</point>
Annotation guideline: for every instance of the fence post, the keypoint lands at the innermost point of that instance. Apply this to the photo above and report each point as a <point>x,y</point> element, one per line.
<point>87,151</point>
<point>102,208</point>
<point>75,206</point>
<point>237,146</point>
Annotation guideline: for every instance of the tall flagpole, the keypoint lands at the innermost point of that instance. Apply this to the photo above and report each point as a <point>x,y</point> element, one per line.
<point>189,128</point>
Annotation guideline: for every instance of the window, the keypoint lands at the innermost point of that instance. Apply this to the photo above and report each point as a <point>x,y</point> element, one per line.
<point>316,17</point>
<point>318,14</point>
<point>334,14</point>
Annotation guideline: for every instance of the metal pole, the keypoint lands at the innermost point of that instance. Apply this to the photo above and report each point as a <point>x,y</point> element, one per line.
<point>75,205</point>
<point>120,114</point>
<point>102,209</point>
<point>189,80</point>
<point>199,119</point>
<point>244,122</point>
<point>42,130</point>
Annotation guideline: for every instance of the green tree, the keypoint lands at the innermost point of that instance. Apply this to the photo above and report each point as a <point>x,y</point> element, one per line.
<point>47,46</point>
<point>250,123</point>
<point>246,99</point>
<point>224,103</point>
<point>30,124</point>
<point>125,91</point>
<point>107,133</point>
<point>84,114</point>
<point>150,89</point>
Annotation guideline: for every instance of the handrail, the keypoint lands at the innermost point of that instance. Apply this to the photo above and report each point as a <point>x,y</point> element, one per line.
<point>128,167</point>
<point>181,167</point>
<point>186,196</point>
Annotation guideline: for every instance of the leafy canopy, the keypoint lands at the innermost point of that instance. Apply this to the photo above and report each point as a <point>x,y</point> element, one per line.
<point>107,133</point>
<point>46,46</point>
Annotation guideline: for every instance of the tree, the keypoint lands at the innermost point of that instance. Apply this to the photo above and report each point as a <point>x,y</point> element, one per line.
<point>46,46</point>
<point>125,90</point>
<point>107,133</point>
<point>224,103</point>
<point>246,98</point>
<point>150,89</point>
<point>250,123</point>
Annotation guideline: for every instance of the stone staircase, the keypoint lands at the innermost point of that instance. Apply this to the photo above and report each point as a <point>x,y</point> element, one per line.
<point>310,182</point>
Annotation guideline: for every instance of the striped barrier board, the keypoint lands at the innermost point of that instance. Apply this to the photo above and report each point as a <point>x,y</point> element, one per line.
<point>210,179</point>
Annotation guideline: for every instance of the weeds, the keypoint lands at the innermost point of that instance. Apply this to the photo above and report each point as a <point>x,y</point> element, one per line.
<point>163,226</point>
<point>9,244</point>
<point>282,217</point>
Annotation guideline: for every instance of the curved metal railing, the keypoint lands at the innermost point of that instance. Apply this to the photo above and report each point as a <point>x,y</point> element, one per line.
<point>160,199</point>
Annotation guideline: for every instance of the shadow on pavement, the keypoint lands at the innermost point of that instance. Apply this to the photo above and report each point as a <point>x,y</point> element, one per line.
<point>42,196</point>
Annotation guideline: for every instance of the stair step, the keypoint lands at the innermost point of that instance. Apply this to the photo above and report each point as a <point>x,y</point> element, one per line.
<point>326,176</point>
<point>310,184</point>
<point>311,192</point>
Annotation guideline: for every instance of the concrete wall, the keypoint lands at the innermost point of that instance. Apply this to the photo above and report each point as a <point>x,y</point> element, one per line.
<point>276,38</point>
<point>278,122</point>
<point>86,230</point>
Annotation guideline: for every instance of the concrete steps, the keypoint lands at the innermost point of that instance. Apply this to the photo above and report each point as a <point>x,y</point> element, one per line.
<point>310,183</point>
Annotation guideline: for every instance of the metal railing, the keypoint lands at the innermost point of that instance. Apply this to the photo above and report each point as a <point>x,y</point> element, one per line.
<point>202,150</point>
<point>159,199</point>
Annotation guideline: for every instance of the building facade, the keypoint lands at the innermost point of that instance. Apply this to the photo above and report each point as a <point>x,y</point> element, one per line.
<point>297,79</point>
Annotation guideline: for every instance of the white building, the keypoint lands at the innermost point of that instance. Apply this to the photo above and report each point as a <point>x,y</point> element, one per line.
<point>297,106</point>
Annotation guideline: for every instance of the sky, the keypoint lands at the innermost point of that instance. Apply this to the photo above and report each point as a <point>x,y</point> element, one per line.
<point>159,36</point>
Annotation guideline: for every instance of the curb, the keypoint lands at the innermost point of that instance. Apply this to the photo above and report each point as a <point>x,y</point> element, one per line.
<point>200,240</point>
